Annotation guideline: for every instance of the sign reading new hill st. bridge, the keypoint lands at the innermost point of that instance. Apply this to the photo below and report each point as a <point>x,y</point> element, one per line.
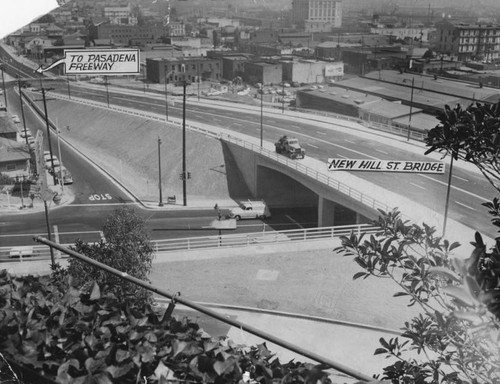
<point>336,164</point>
<point>98,62</point>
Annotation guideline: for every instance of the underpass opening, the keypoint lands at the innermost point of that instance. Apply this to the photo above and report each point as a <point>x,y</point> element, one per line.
<point>290,198</point>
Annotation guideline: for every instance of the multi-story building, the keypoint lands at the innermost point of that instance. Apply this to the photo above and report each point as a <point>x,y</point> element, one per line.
<point>125,34</point>
<point>120,14</point>
<point>468,41</point>
<point>317,15</point>
<point>192,69</point>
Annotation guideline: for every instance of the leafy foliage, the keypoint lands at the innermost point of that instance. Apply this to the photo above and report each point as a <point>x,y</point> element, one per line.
<point>76,336</point>
<point>472,135</point>
<point>455,338</point>
<point>126,247</point>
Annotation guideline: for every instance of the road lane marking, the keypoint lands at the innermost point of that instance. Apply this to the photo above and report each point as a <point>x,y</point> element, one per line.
<point>454,187</point>
<point>349,141</point>
<point>312,145</point>
<point>384,152</point>
<point>320,133</point>
<point>344,157</point>
<point>466,206</point>
<point>418,186</point>
<point>460,178</point>
<point>293,221</point>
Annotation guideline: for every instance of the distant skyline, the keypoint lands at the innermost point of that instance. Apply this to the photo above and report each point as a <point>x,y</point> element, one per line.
<point>15,14</point>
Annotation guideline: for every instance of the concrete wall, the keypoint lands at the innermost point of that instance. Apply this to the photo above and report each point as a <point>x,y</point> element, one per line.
<point>282,186</point>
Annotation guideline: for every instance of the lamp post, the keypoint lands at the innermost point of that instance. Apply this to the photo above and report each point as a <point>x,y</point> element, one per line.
<point>283,97</point>
<point>261,114</point>
<point>60,161</point>
<point>411,106</point>
<point>447,196</point>
<point>107,90</point>
<point>160,204</point>
<point>3,85</point>
<point>69,92</point>
<point>166,99</point>
<point>184,173</point>
<point>47,124</point>
<point>22,112</point>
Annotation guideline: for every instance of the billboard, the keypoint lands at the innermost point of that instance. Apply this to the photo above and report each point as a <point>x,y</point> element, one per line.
<point>98,62</point>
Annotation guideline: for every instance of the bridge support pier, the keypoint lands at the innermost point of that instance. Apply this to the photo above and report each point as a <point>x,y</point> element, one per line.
<point>326,212</point>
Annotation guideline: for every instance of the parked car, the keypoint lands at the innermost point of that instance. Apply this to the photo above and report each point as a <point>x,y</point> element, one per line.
<point>16,119</point>
<point>22,251</point>
<point>50,163</point>
<point>250,210</point>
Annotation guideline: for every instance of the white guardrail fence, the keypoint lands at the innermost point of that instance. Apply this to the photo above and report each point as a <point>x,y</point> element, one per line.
<point>39,252</point>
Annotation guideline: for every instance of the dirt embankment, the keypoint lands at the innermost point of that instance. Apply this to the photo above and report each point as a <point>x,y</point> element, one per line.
<point>127,147</point>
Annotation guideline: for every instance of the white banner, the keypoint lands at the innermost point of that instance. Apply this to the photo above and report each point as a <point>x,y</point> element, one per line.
<point>336,164</point>
<point>98,62</point>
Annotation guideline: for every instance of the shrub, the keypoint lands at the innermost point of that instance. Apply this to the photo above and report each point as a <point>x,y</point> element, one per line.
<point>126,247</point>
<point>92,337</point>
<point>455,338</point>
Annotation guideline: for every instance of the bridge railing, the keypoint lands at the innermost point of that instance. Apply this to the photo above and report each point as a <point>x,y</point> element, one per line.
<point>312,173</point>
<point>42,252</point>
<point>256,238</point>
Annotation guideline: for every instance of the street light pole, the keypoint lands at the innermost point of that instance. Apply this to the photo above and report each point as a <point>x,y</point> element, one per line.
<point>166,100</point>
<point>184,174</point>
<point>283,97</point>
<point>447,196</point>
<point>49,235</point>
<point>159,172</point>
<point>107,90</point>
<point>411,106</point>
<point>69,92</point>
<point>3,85</point>
<point>60,161</point>
<point>47,124</point>
<point>261,115</point>
<point>22,113</point>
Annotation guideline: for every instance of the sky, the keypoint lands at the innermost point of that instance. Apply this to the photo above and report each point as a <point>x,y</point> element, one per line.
<point>15,14</point>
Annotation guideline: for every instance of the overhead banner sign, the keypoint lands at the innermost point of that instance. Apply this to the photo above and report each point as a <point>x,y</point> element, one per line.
<point>98,62</point>
<point>385,166</point>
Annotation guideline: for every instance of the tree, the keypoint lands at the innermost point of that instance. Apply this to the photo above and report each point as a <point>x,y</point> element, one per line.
<point>455,338</point>
<point>472,135</point>
<point>126,247</point>
<point>48,18</point>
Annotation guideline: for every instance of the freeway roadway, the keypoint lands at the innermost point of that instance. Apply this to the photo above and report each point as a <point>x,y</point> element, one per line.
<point>468,189</point>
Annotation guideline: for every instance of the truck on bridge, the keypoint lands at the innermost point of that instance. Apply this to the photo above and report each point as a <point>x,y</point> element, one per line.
<point>289,146</point>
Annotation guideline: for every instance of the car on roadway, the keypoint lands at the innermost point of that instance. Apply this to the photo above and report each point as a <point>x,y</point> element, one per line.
<point>23,134</point>
<point>22,251</point>
<point>250,210</point>
<point>61,173</point>
<point>16,119</point>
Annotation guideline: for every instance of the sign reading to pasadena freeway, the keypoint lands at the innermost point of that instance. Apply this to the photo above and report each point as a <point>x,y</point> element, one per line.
<point>385,166</point>
<point>98,62</point>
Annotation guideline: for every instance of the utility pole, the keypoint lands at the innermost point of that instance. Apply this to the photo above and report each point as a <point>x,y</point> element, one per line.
<point>184,173</point>
<point>447,196</point>
<point>411,106</point>
<point>107,90</point>
<point>22,113</point>
<point>3,85</point>
<point>47,124</point>
<point>261,114</point>
<point>69,92</point>
<point>166,99</point>
<point>160,204</point>
<point>283,97</point>
<point>49,235</point>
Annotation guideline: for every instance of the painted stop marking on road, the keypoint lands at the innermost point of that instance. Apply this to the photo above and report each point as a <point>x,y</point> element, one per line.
<point>99,197</point>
